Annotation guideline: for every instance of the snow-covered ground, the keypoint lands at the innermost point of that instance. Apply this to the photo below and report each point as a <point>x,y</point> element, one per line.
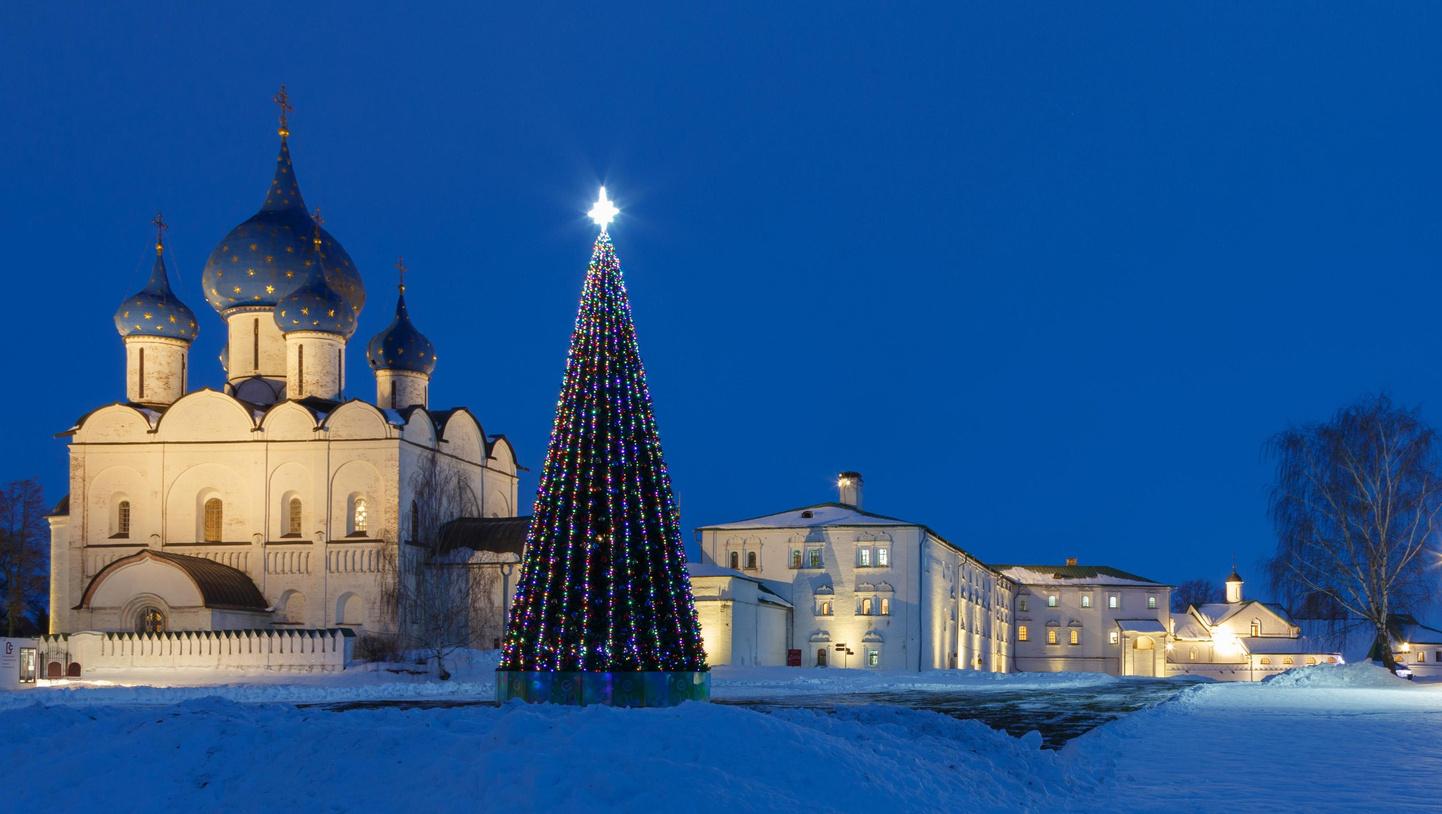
<point>1324,739</point>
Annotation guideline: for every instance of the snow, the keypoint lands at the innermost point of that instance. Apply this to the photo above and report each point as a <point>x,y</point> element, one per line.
<point>1327,738</point>
<point>1039,575</point>
<point>821,514</point>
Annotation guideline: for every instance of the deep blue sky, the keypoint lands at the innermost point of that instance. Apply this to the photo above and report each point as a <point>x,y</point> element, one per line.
<point>1049,277</point>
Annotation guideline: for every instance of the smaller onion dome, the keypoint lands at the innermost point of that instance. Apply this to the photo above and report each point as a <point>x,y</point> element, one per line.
<point>155,310</point>
<point>400,346</point>
<point>315,306</point>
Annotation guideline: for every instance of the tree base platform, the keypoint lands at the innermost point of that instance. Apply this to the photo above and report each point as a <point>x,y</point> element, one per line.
<point>620,689</point>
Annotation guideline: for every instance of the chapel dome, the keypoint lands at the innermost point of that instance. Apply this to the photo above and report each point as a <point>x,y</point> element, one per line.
<point>155,310</point>
<point>400,346</point>
<point>314,305</point>
<point>271,254</point>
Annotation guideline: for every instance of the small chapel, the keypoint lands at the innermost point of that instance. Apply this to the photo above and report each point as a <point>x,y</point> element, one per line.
<point>283,501</point>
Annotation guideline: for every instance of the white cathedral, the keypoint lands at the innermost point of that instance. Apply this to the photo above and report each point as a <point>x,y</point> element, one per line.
<point>269,505</point>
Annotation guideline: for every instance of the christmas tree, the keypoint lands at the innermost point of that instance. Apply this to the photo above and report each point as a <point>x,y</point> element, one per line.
<point>603,611</point>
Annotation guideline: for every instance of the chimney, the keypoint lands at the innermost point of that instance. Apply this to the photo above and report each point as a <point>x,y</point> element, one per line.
<point>848,485</point>
<point>1071,561</point>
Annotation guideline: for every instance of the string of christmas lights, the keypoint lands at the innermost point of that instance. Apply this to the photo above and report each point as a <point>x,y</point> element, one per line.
<point>604,587</point>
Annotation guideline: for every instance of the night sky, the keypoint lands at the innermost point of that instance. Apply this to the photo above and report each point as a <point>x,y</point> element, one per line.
<point>1048,278</point>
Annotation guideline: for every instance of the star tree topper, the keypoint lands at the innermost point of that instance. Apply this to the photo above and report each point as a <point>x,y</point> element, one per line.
<point>604,211</point>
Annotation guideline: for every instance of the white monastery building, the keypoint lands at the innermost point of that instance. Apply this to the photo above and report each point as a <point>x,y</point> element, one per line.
<point>275,503</point>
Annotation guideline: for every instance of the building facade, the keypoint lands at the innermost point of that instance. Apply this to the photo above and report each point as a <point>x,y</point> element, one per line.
<point>867,590</point>
<point>280,501</point>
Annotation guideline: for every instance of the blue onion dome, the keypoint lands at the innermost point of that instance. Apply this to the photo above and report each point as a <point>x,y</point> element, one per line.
<point>271,255</point>
<point>400,346</point>
<point>315,306</point>
<point>155,310</point>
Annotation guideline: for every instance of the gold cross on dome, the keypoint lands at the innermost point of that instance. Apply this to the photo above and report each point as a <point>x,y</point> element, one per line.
<point>160,227</point>
<point>318,221</point>
<point>282,100</point>
<point>401,267</point>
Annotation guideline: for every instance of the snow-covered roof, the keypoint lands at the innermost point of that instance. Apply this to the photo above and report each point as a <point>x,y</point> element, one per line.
<point>1141,626</point>
<point>821,514</point>
<point>1284,645</point>
<point>1073,575</point>
<point>1187,626</point>
<point>767,593</point>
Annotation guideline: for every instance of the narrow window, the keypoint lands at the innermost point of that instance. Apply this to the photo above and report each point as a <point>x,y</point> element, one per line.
<point>1191,654</point>
<point>359,518</point>
<point>142,372</point>
<point>1075,636</point>
<point>1114,601</point>
<point>885,606</point>
<point>863,557</point>
<point>182,373</point>
<point>1151,603</point>
<point>1021,604</point>
<point>814,556</point>
<point>1086,600</point>
<point>1051,600</point>
<point>1051,635</point>
<point>214,517</point>
<point>300,370</point>
<point>883,557</point>
<point>795,558</point>
<point>736,561</point>
<point>866,606</point>
<point>340,370</point>
<point>751,560</point>
<point>1022,634</point>
<point>825,607</point>
<point>122,519</point>
<point>292,522</point>
<point>1256,627</point>
<point>1114,637</point>
<point>255,345</point>
<point>873,658</point>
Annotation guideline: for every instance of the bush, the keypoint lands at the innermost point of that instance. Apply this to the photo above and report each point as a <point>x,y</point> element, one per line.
<point>375,647</point>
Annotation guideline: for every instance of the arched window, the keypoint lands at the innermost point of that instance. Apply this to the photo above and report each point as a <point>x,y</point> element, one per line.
<point>214,517</point>
<point>751,560</point>
<point>292,517</point>
<point>885,606</point>
<point>122,519</point>
<point>150,619</point>
<point>735,560</point>
<point>866,606</point>
<point>359,518</point>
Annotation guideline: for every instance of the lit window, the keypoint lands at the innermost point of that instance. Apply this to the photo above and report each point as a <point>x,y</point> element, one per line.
<point>150,620</point>
<point>795,558</point>
<point>1288,662</point>
<point>863,557</point>
<point>886,607</point>
<point>866,606</point>
<point>1151,603</point>
<point>1266,661</point>
<point>1021,604</point>
<point>1051,600</point>
<point>1114,637</point>
<point>1114,601</point>
<point>883,557</point>
<point>292,523</point>
<point>1075,636</point>
<point>214,520</point>
<point>1256,627</point>
<point>873,658</point>
<point>813,558</point>
<point>1022,634</point>
<point>1086,600</point>
<point>825,608</point>
<point>359,517</point>
<point>736,561</point>
<point>1051,636</point>
<point>751,560</point>
<point>1312,662</point>
<point>1421,657</point>
<point>122,519</point>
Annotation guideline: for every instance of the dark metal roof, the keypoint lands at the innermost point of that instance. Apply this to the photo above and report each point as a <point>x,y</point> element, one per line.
<point>220,585</point>
<point>500,535</point>
<point>62,508</point>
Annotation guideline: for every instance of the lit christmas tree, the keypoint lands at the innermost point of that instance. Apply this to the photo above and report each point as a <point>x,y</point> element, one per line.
<point>603,611</point>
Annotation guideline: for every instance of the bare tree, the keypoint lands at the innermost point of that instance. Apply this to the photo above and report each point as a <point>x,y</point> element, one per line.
<point>428,590</point>
<point>1355,507</point>
<point>24,553</point>
<point>1195,592</point>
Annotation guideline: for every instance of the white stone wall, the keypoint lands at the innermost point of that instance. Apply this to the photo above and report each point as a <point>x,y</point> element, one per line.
<point>155,369</point>
<point>228,650</point>
<point>167,465</point>
<point>737,627</point>
<point>1095,651</point>
<point>255,345</point>
<point>315,365</point>
<point>398,389</point>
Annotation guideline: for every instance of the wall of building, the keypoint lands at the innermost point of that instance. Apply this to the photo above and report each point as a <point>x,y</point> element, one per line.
<point>1095,651</point>
<point>255,345</point>
<point>155,369</point>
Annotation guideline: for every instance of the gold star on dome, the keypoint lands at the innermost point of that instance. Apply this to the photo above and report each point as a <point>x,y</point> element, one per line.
<point>291,273</point>
<point>305,312</point>
<point>236,290</point>
<point>172,319</point>
<point>270,289</point>
<point>147,316</point>
<point>330,313</point>
<point>253,246</point>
